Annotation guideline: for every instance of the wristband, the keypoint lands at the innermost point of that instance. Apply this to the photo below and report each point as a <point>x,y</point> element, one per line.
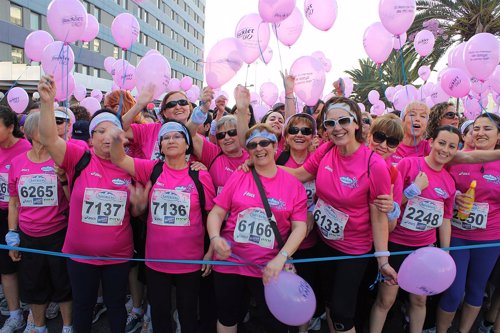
<point>214,237</point>
<point>396,211</point>
<point>383,265</point>
<point>12,238</point>
<point>198,117</point>
<point>412,191</point>
<point>382,254</point>
<point>289,92</point>
<point>286,97</point>
<point>213,127</point>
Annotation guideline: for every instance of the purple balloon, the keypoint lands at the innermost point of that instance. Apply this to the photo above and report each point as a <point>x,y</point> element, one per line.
<point>254,35</point>
<point>290,299</point>
<point>309,79</point>
<point>97,94</point>
<point>424,72</point>
<point>377,42</point>
<point>223,61</point>
<point>275,11</point>
<point>481,55</point>
<point>80,92</point>
<point>424,42</point>
<point>67,19</point>
<point>427,271</point>
<point>92,29</point>
<point>125,30</point>
<point>289,30</point>
<point>35,43</point>
<point>91,104</point>
<point>269,93</point>
<point>58,59</point>
<point>321,13</point>
<point>397,15</point>
<point>65,88</point>
<point>108,64</point>
<point>154,69</point>
<point>186,83</point>
<point>174,85</point>
<point>455,82</point>
<point>18,99</point>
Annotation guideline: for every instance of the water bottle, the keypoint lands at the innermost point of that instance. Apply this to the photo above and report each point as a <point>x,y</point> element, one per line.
<point>471,195</point>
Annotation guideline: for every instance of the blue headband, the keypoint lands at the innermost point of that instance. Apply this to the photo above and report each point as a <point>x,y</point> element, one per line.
<point>261,134</point>
<point>102,117</point>
<point>172,126</point>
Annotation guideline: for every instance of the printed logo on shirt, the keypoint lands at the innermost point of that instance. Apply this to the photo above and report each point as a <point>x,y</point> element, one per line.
<point>349,182</point>
<point>106,196</point>
<point>120,182</point>
<point>187,189</point>
<point>160,184</point>
<point>492,179</point>
<point>25,170</point>
<point>277,203</point>
<point>442,193</point>
<point>96,174</point>
<point>38,179</point>
<point>7,166</point>
<point>228,169</point>
<point>464,173</point>
<point>328,168</point>
<point>170,196</point>
<point>248,194</point>
<point>47,169</point>
<point>430,205</point>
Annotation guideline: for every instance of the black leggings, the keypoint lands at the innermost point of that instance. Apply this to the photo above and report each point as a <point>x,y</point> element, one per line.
<point>159,295</point>
<point>85,280</point>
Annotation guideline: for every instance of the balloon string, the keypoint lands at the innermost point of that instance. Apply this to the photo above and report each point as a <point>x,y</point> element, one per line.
<point>246,77</point>
<point>279,49</point>
<point>124,73</point>
<point>258,44</point>
<point>458,107</point>
<point>15,82</point>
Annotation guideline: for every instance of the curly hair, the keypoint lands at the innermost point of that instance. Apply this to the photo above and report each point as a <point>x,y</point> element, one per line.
<point>437,113</point>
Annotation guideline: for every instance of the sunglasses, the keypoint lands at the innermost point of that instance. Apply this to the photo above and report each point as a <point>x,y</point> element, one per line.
<point>366,121</point>
<point>380,137</point>
<point>450,115</point>
<point>172,104</point>
<point>263,144</point>
<point>60,121</point>
<point>304,130</point>
<point>222,135</point>
<point>342,121</point>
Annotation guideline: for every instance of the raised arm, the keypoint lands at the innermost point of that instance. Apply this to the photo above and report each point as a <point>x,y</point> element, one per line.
<point>475,156</point>
<point>47,126</point>
<point>206,98</point>
<point>143,99</point>
<point>242,113</point>
<point>290,105</point>
<point>118,156</point>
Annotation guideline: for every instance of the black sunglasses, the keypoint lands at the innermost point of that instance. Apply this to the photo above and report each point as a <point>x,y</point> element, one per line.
<point>380,137</point>
<point>263,144</point>
<point>60,121</point>
<point>304,130</point>
<point>342,121</point>
<point>222,135</point>
<point>450,115</point>
<point>366,121</point>
<point>171,104</point>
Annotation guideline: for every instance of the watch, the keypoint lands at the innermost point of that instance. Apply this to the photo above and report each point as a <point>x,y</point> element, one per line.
<point>284,254</point>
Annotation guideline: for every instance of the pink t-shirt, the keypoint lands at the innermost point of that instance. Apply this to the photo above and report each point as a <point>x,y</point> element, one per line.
<point>175,226</point>
<point>221,166</point>
<point>247,228</point>
<point>43,206</point>
<point>80,143</point>
<point>99,220</point>
<point>487,191</point>
<point>441,189</point>
<point>6,156</point>
<point>346,190</point>
<point>397,181</point>
<point>146,138</point>
<point>422,149</point>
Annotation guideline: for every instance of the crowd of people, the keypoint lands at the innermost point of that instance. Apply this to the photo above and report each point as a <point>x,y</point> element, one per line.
<point>197,184</point>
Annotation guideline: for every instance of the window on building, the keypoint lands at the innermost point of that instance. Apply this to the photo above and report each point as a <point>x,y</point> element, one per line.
<point>95,72</point>
<point>125,4</point>
<point>97,45</point>
<point>35,21</point>
<point>85,70</point>
<point>85,45</point>
<point>97,14</point>
<point>16,15</point>
<point>146,38</point>
<point>116,52</point>
<point>17,55</point>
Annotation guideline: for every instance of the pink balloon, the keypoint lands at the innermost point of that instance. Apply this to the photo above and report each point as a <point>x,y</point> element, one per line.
<point>495,80</point>
<point>154,69</point>
<point>309,79</point>
<point>259,111</point>
<point>428,88</point>
<point>373,96</point>
<point>275,11</point>
<point>267,55</point>
<point>289,30</point>
<point>377,42</point>
<point>80,92</point>
<point>108,64</point>
<point>327,64</point>
<point>223,61</point>
<point>456,57</point>
<point>348,86</point>
<point>18,99</point>
<point>389,93</point>
<point>67,19</point>
<point>472,108</point>
<point>424,42</point>
<point>411,91</point>
<point>191,96</point>
<point>362,107</point>
<point>398,41</point>
<point>397,15</point>
<point>321,13</point>
<point>114,87</point>
<point>91,104</point>
<point>35,43</point>
<point>97,94</point>
<point>439,95</point>
<point>195,90</point>
<point>255,98</point>
<point>401,100</point>
<point>481,55</point>
<point>424,72</point>
<point>64,88</point>
<point>427,271</point>
<point>455,82</point>
<point>124,75</point>
<point>477,86</point>
<point>254,36</point>
<point>186,83</point>
<point>378,108</point>
<point>58,59</point>
<point>152,51</point>
<point>91,30</point>
<point>125,30</point>
<point>174,85</point>
<point>327,97</point>
<point>269,93</point>
<point>429,102</point>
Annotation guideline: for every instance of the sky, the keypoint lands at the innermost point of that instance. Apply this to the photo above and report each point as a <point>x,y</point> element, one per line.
<point>342,44</point>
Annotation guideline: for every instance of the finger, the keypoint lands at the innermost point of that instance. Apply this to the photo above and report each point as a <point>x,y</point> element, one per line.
<point>392,189</point>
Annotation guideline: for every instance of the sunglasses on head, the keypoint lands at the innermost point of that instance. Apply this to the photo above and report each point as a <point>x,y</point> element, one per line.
<point>342,122</point>
<point>222,135</point>
<point>60,121</point>
<point>304,130</point>
<point>366,121</point>
<point>171,104</point>
<point>263,144</point>
<point>380,137</point>
<point>450,115</point>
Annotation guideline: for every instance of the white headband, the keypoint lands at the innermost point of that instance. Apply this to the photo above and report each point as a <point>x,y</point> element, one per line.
<point>464,126</point>
<point>172,126</point>
<point>102,117</point>
<point>342,106</point>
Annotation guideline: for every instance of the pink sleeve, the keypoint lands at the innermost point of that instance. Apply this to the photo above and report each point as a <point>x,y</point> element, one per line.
<point>143,169</point>
<point>225,198</point>
<point>143,132</point>
<point>208,152</point>
<point>208,187</point>
<point>72,156</point>
<point>13,178</point>
<point>312,163</point>
<point>380,180</point>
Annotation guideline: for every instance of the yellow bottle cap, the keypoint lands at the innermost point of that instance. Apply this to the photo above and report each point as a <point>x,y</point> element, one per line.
<point>473,184</point>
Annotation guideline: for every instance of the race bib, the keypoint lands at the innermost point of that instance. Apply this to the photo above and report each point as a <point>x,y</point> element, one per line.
<point>331,222</point>
<point>170,208</point>
<point>478,217</point>
<point>422,214</point>
<point>4,189</point>
<point>252,226</point>
<point>156,155</point>
<point>38,190</point>
<point>103,207</point>
<point>311,192</point>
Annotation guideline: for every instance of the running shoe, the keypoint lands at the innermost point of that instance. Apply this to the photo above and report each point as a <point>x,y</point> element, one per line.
<point>67,330</point>
<point>12,325</point>
<point>134,321</point>
<point>30,324</point>
<point>99,309</point>
<point>4,307</point>
<point>52,310</point>
<point>177,322</point>
<point>147,326</point>
<point>483,328</point>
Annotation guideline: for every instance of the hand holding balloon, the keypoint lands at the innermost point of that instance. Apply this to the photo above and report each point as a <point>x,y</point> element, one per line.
<point>273,269</point>
<point>242,98</point>
<point>206,98</point>
<point>389,274</point>
<point>146,94</point>
<point>47,89</point>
